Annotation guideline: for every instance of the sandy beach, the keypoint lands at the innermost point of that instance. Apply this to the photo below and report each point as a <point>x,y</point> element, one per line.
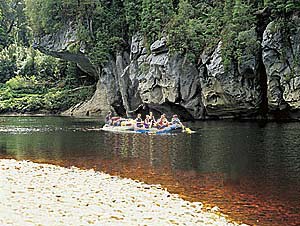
<point>43,194</point>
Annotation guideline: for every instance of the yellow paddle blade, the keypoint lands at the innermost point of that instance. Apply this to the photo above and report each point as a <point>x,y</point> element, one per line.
<point>188,130</point>
<point>123,123</point>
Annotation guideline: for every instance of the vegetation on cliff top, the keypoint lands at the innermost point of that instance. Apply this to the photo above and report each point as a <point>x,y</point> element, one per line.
<point>191,26</point>
<point>29,80</point>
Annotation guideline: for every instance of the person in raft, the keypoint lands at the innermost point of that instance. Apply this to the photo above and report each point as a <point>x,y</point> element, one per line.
<point>152,120</point>
<point>112,121</point>
<point>116,121</point>
<point>139,120</point>
<point>176,121</point>
<point>162,122</point>
<point>147,122</point>
<point>108,120</point>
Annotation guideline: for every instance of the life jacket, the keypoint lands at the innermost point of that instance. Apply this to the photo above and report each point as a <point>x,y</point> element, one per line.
<point>160,122</point>
<point>152,119</point>
<point>138,120</point>
<point>175,121</point>
<point>107,118</point>
<point>147,121</point>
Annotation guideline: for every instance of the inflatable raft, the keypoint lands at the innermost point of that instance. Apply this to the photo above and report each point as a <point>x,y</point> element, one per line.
<point>131,129</point>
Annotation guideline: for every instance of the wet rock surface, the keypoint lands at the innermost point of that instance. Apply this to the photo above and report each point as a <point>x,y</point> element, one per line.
<point>43,194</point>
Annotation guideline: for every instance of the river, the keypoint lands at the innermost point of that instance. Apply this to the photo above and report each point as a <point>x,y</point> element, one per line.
<point>251,171</point>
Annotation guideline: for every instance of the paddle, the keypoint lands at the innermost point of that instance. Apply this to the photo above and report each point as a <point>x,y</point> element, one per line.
<point>187,130</point>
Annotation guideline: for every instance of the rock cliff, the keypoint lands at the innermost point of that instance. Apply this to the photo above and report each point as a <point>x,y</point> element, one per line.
<point>230,93</point>
<point>136,81</point>
<point>281,56</point>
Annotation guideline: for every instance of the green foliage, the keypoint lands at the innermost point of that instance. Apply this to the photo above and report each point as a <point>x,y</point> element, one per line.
<point>20,82</point>
<point>247,43</point>
<point>109,36</point>
<point>133,15</point>
<point>20,60</point>
<point>5,93</point>
<point>155,16</point>
<point>45,15</point>
<point>71,79</point>
<point>201,25</point>
<point>14,24</point>
<point>283,7</point>
<point>21,105</point>
<point>7,65</point>
<point>61,99</point>
<point>27,77</point>
<point>185,31</point>
<point>2,32</point>
<point>99,52</point>
<point>101,25</point>
<point>238,19</point>
<point>105,26</point>
<point>20,98</point>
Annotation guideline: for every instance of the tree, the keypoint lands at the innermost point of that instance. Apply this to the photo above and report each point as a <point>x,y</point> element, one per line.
<point>185,31</point>
<point>2,32</point>
<point>133,10</point>
<point>238,18</point>
<point>283,7</point>
<point>13,25</point>
<point>154,18</point>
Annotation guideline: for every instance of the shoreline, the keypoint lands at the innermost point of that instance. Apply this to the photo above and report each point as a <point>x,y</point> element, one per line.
<point>225,119</point>
<point>45,194</point>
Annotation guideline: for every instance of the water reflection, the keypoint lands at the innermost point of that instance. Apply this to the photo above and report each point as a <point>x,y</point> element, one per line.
<point>251,172</point>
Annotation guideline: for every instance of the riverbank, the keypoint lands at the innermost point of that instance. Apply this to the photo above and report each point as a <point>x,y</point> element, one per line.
<point>43,194</point>
<point>260,121</point>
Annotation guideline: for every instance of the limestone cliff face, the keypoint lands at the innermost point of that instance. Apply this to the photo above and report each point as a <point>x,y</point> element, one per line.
<point>161,82</point>
<point>60,45</point>
<point>267,78</point>
<point>230,93</point>
<point>281,56</point>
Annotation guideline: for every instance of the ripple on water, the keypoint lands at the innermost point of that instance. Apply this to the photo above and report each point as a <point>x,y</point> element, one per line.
<point>24,130</point>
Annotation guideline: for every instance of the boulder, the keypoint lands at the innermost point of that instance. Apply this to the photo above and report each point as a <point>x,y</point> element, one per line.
<point>159,46</point>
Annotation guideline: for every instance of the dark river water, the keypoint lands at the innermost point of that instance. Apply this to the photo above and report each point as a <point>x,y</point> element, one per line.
<point>251,171</point>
